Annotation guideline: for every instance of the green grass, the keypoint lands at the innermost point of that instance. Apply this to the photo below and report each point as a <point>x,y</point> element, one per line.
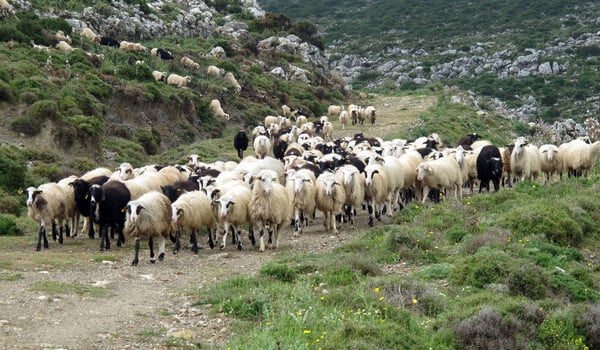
<point>53,287</point>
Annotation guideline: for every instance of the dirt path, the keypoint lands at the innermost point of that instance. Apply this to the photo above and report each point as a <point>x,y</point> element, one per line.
<point>76,297</point>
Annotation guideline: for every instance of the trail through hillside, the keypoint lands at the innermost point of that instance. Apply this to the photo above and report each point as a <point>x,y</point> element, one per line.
<point>75,297</point>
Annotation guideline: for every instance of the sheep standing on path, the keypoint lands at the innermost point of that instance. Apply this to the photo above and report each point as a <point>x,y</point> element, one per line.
<point>148,217</point>
<point>331,197</point>
<point>45,205</point>
<point>192,211</point>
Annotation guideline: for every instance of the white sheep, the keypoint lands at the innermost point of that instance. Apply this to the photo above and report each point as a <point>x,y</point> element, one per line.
<point>232,208</point>
<point>215,71</point>
<point>90,35</point>
<point>344,118</point>
<point>395,176</point>
<point>129,46</point>
<point>148,217</point>
<point>376,190</point>
<point>189,63</point>
<point>218,52</point>
<point>71,214</point>
<point>95,173</point>
<point>579,157</point>
<point>334,110</point>
<point>46,205</point>
<point>303,194</point>
<point>327,131</point>
<point>5,9</point>
<point>353,182</point>
<point>215,107</point>
<point>301,120</point>
<point>441,174</point>
<point>168,175</point>
<point>369,113</point>
<point>262,145</point>
<point>143,184</point>
<point>229,77</point>
<point>39,47</point>
<point>159,76</point>
<point>269,207</point>
<point>178,80</point>
<point>192,211</point>
<point>331,197</point>
<point>551,161</point>
<point>124,172</point>
<point>64,47</point>
<point>525,160</point>
<point>61,36</point>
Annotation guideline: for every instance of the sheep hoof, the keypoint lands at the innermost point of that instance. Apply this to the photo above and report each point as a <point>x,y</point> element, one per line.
<point>161,256</point>
<point>38,248</point>
<point>195,249</point>
<point>239,247</point>
<point>152,260</point>
<point>134,262</point>
<point>222,246</point>
<point>296,234</point>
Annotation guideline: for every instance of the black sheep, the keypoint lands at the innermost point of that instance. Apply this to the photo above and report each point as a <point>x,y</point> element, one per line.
<point>467,140</point>
<point>81,189</point>
<point>178,188</point>
<point>107,41</point>
<point>489,167</point>
<point>240,142</point>
<point>279,148</point>
<point>164,54</point>
<point>107,209</point>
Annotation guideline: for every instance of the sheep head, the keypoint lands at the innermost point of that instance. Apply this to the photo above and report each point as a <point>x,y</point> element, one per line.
<point>133,210</point>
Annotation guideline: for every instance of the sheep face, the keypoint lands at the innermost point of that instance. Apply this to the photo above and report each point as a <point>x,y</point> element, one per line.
<point>265,181</point>
<point>125,171</point>
<point>133,211</point>
<point>330,184</point>
<point>369,174</point>
<point>225,206</point>
<point>348,174</point>
<point>299,183</point>
<point>496,166</point>
<point>423,171</point>
<point>32,193</point>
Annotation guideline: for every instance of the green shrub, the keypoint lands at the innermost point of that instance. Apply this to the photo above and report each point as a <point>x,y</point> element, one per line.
<point>8,227</point>
<point>575,289</point>
<point>10,204</point>
<point>280,272</point>
<point>42,110</point>
<point>560,332</point>
<point>6,92</point>
<point>529,280</point>
<point>591,325</point>
<point>12,173</point>
<point>484,267</point>
<point>149,140</point>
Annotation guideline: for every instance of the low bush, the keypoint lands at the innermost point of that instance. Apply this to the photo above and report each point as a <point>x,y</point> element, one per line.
<point>529,280</point>
<point>489,330</point>
<point>8,227</point>
<point>26,125</point>
<point>484,267</point>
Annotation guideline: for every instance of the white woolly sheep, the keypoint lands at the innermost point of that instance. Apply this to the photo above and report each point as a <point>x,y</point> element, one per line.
<point>71,214</point>
<point>369,113</point>
<point>327,131</point>
<point>143,184</point>
<point>215,107</point>
<point>124,172</point>
<point>481,143</point>
<point>129,46</point>
<point>46,205</point>
<point>376,190</point>
<point>218,52</point>
<point>215,71</point>
<point>233,211</point>
<point>579,157</point>
<point>61,36</point>
<point>262,145</point>
<point>233,81</point>
<point>269,207</point>
<point>189,63</point>
<point>302,194</point>
<point>301,120</point>
<point>90,35</point>
<point>331,197</point>
<point>168,175</point>
<point>440,174</point>
<point>334,110</point>
<point>64,47</point>
<point>344,118</point>
<point>148,217</point>
<point>353,182</point>
<point>525,160</point>
<point>192,211</point>
<point>5,9</point>
<point>178,80</point>
<point>395,177</point>
<point>159,76</point>
<point>95,173</point>
<point>551,162</point>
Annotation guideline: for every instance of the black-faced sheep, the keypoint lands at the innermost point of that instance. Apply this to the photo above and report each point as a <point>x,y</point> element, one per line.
<point>178,80</point>
<point>159,76</point>
<point>107,204</point>
<point>240,143</point>
<point>489,167</point>
<point>269,207</point>
<point>148,217</point>
<point>192,211</point>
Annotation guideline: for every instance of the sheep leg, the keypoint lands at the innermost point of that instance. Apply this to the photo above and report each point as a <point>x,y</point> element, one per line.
<point>262,241</point>
<point>333,220</point>
<point>370,209</point>
<point>104,239</point>
<point>177,242</point>
<point>195,241</point>
<point>161,248</point>
<point>211,241</point>
<point>276,233</point>
<point>91,232</point>
<point>120,235</point>
<point>233,238</point>
<point>54,231</point>
<point>42,234</point>
<point>137,251</point>
<point>251,235</point>
<point>224,238</point>
<point>297,227</point>
<point>60,234</point>
<point>348,211</point>
<point>237,232</point>
<point>151,246</point>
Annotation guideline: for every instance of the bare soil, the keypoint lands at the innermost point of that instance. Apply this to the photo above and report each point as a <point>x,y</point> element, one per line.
<point>151,303</point>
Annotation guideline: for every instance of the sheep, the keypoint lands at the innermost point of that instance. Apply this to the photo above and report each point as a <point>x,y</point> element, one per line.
<point>343,118</point>
<point>90,35</point>
<point>218,52</point>
<point>395,175</point>
<point>39,47</point>
<point>440,174</point>
<point>168,175</point>
<point>288,112</point>
<point>480,144</point>
<point>5,9</point>
<point>467,140</point>
<point>215,71</point>
<point>192,210</point>
<point>71,215</point>
<point>189,63</point>
<point>159,76</point>
<point>551,161</point>
<point>353,182</point>
<point>46,205</point>
<point>240,143</point>
<point>579,157</point>
<point>108,41</point>
<point>262,145</point>
<point>302,194</point>
<point>269,207</point>
<point>327,131</point>
<point>148,217</point>
<point>232,208</point>
<point>353,112</point>
<point>370,114</point>
<point>64,47</point>
<point>215,107</point>
<point>129,46</point>
<point>489,167</point>
<point>143,184</point>
<point>505,152</point>
<point>301,120</point>
<point>81,189</point>
<point>334,110</point>
<point>61,36</point>
<point>163,54</point>
<point>525,160</point>
<point>176,189</point>
<point>95,59</point>
<point>178,80</point>
<point>194,161</point>
<point>376,190</point>
<point>107,204</point>
<point>331,197</point>
<point>124,172</point>
<point>229,77</point>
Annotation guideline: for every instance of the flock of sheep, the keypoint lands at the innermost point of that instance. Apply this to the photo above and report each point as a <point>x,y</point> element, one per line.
<point>307,179</point>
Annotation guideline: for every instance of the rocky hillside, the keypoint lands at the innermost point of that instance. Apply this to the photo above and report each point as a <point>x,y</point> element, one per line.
<point>527,60</point>
<point>102,103</point>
